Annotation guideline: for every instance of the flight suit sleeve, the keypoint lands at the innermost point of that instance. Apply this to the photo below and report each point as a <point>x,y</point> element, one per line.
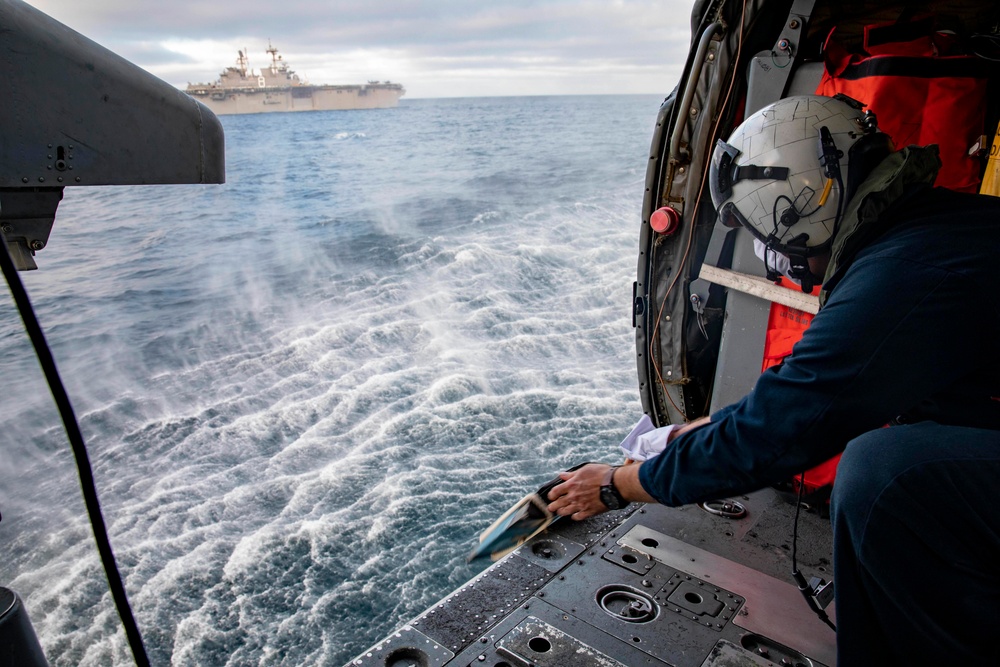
<point>884,341</point>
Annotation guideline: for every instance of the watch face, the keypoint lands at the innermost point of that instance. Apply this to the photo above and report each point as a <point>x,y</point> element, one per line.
<point>609,498</point>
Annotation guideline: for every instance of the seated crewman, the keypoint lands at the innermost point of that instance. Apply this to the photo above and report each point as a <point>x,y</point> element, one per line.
<point>907,333</point>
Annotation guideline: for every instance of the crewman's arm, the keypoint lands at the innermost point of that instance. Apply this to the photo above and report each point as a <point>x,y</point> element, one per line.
<point>579,494</point>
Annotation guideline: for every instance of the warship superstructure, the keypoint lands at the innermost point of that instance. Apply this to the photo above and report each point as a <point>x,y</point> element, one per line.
<point>240,89</point>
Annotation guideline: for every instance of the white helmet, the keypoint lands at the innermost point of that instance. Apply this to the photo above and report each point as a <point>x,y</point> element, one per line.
<point>782,174</point>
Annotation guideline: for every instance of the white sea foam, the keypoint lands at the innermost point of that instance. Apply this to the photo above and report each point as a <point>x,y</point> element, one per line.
<point>306,397</point>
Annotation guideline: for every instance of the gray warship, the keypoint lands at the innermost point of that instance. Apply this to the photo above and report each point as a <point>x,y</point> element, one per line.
<point>241,90</point>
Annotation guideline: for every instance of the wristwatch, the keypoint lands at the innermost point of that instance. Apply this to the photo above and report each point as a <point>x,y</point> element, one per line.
<point>610,496</point>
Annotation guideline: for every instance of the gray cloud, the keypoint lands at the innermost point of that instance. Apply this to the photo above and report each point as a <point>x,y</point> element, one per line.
<point>631,45</point>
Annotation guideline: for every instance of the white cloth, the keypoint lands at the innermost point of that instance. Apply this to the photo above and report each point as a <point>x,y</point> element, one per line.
<point>775,260</point>
<point>644,442</point>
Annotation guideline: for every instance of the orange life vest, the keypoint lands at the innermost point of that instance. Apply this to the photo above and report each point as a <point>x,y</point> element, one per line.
<point>785,326</point>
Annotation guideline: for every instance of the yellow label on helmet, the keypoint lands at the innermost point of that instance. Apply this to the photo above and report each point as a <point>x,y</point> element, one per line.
<point>991,179</point>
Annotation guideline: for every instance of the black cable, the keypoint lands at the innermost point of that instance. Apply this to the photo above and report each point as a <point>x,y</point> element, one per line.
<point>795,523</point>
<point>800,580</point>
<point>88,488</point>
<point>774,214</point>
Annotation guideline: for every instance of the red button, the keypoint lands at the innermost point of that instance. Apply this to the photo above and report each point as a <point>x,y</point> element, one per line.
<point>665,220</point>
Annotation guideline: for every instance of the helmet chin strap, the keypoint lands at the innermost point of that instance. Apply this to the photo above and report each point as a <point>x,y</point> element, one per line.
<point>796,251</point>
<point>799,270</point>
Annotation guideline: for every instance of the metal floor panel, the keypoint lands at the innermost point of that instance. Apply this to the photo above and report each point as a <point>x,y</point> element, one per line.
<point>655,586</point>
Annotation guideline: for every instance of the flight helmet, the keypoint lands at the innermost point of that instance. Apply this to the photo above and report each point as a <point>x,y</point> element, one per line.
<point>788,170</point>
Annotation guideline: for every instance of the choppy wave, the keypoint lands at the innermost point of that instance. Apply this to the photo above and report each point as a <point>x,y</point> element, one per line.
<point>307,391</point>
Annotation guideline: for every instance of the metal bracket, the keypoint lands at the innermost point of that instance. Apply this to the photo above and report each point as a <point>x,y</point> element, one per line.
<point>699,287</point>
<point>728,509</point>
<point>822,591</point>
<point>770,71</point>
<point>26,219</point>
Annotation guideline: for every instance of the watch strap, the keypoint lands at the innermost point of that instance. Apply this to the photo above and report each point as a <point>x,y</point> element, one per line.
<point>608,485</point>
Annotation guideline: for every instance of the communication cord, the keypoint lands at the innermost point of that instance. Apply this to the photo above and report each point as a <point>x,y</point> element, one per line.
<point>800,580</point>
<point>88,488</point>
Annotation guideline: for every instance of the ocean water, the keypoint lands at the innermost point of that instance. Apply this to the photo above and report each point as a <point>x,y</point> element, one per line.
<point>306,392</point>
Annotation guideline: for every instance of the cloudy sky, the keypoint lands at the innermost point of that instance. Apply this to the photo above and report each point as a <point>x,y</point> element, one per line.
<point>436,48</point>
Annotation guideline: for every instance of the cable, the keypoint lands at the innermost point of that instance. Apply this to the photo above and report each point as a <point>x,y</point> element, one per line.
<point>774,62</point>
<point>88,488</point>
<point>804,587</point>
<point>795,524</point>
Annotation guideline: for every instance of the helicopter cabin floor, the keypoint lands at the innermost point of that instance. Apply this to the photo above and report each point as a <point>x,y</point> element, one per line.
<point>647,585</point>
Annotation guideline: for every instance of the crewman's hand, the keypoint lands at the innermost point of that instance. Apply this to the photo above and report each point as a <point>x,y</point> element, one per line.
<point>579,495</point>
